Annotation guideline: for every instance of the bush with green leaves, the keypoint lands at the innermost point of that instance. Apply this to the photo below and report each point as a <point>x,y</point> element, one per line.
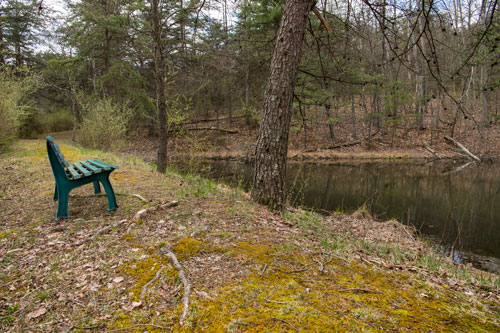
<point>16,86</point>
<point>42,123</point>
<point>105,123</point>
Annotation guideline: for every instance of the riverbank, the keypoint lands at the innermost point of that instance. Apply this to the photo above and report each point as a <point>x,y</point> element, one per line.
<point>248,268</point>
<point>225,139</point>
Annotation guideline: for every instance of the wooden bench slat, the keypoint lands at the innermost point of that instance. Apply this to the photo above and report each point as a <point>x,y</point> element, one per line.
<point>82,169</point>
<point>100,164</point>
<point>74,173</point>
<point>103,164</point>
<point>107,168</point>
<point>90,167</point>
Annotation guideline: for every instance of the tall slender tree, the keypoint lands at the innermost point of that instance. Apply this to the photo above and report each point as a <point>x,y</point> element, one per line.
<point>272,142</point>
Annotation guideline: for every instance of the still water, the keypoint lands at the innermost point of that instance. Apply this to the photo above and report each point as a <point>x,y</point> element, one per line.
<point>458,206</point>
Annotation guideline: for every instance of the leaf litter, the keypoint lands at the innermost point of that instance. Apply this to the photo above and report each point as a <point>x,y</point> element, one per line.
<point>250,270</point>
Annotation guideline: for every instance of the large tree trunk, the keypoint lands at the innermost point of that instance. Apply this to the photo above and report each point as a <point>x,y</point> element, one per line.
<point>272,142</point>
<point>159,74</point>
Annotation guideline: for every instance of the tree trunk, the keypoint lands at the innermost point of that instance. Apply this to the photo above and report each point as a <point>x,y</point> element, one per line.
<point>272,142</point>
<point>353,113</point>
<point>159,74</point>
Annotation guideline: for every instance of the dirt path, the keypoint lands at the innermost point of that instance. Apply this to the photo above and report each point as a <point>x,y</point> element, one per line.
<point>249,270</point>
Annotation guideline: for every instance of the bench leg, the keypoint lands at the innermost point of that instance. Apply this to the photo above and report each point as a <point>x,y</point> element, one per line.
<point>62,205</point>
<point>97,187</point>
<point>112,205</point>
<point>55,193</point>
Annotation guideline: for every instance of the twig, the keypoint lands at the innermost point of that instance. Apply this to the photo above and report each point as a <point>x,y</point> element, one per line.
<point>192,235</point>
<point>75,327</point>
<point>146,286</point>
<point>100,232</point>
<point>286,322</point>
<point>362,290</point>
<point>140,325</point>
<point>271,301</point>
<point>184,279</point>
<point>263,270</point>
<point>197,232</point>
<point>295,271</point>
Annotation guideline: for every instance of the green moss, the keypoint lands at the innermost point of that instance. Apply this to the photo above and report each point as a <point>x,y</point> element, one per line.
<point>259,253</point>
<point>347,297</point>
<point>144,271</point>
<point>187,247</point>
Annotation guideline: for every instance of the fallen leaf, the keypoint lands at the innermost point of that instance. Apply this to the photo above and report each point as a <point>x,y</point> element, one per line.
<point>118,279</point>
<point>37,313</point>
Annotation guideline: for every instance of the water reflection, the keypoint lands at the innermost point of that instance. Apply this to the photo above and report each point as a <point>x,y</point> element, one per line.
<point>457,205</point>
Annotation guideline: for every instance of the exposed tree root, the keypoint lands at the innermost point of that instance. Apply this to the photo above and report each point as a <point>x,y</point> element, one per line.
<point>184,279</point>
<point>167,252</point>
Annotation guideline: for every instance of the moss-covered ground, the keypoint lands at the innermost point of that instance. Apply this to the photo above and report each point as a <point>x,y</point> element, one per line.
<point>251,270</point>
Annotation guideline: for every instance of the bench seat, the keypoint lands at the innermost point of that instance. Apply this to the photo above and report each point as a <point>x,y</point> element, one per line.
<point>69,176</point>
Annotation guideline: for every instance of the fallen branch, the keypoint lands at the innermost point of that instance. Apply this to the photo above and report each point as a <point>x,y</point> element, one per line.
<point>184,279</point>
<point>100,232</point>
<point>146,286</point>
<point>461,147</point>
<point>432,151</point>
<point>192,235</point>
<point>143,212</point>
<point>223,130</point>
<point>140,197</point>
<point>140,325</point>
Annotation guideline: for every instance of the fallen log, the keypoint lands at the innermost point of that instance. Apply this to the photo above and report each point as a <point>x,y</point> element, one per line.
<point>432,151</point>
<point>222,130</point>
<point>462,148</point>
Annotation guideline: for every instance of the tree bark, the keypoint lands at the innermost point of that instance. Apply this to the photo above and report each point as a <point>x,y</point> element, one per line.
<point>272,142</point>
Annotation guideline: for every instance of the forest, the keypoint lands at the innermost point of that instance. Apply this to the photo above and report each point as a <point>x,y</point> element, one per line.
<point>395,70</point>
<point>402,234</point>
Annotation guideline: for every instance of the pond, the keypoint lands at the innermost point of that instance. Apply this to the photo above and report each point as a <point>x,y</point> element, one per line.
<point>457,206</point>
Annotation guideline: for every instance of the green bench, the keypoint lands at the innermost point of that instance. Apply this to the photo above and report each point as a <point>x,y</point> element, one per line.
<point>69,177</point>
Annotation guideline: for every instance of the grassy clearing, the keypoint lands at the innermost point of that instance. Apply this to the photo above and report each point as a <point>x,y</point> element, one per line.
<point>251,270</point>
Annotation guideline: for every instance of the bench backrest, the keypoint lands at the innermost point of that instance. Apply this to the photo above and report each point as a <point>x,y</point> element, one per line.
<point>56,158</point>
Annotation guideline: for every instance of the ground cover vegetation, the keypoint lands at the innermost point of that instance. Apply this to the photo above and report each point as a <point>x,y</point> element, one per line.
<point>248,269</point>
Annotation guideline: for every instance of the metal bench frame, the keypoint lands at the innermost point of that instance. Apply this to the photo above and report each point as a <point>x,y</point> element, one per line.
<point>68,177</point>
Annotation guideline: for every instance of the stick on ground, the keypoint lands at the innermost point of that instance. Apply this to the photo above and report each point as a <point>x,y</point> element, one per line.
<point>184,279</point>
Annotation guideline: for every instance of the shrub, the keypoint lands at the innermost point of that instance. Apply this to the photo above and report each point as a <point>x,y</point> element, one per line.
<point>42,123</point>
<point>16,85</point>
<point>105,124</point>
